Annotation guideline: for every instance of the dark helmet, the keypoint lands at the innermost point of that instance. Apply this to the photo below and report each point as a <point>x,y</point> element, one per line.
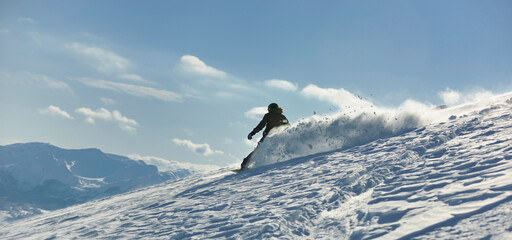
<point>272,106</point>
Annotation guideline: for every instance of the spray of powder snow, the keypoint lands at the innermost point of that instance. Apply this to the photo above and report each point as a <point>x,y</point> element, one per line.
<point>351,128</point>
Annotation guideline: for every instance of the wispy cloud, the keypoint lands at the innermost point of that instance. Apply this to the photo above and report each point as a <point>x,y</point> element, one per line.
<point>26,20</point>
<point>281,84</point>
<point>35,79</point>
<point>134,78</point>
<point>135,90</point>
<point>108,101</point>
<point>256,113</point>
<point>203,148</point>
<point>103,114</point>
<point>167,165</point>
<point>204,81</point>
<point>55,111</point>
<point>226,95</point>
<point>339,97</point>
<point>51,83</point>
<point>101,59</point>
<point>194,65</point>
<point>4,31</point>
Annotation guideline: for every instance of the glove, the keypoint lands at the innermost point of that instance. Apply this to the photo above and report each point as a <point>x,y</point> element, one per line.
<point>250,135</point>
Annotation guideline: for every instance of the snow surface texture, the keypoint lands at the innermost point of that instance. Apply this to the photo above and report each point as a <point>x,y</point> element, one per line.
<point>37,176</point>
<point>445,180</point>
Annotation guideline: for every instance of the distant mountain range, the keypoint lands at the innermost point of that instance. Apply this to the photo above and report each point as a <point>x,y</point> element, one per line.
<point>38,176</point>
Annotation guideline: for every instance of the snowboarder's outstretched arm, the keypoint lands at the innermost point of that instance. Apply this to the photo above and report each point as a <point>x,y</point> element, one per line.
<point>258,128</point>
<point>261,125</point>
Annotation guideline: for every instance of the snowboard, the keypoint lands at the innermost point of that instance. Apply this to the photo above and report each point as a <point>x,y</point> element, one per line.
<point>238,170</point>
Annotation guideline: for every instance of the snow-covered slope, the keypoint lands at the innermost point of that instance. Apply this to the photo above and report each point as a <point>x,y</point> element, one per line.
<point>444,180</point>
<point>36,176</point>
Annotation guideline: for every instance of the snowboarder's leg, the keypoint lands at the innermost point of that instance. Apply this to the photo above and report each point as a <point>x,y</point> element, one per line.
<point>262,138</point>
<point>245,163</point>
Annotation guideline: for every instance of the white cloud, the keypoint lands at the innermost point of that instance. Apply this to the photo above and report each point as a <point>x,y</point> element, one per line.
<point>26,20</point>
<point>35,79</point>
<point>50,82</point>
<point>227,95</point>
<point>205,82</point>
<point>281,84</point>
<point>4,31</point>
<point>167,165</point>
<point>128,128</point>
<point>256,113</point>
<point>203,148</point>
<point>102,60</point>
<point>192,64</point>
<point>135,90</point>
<point>108,101</point>
<point>450,96</point>
<point>91,116</point>
<point>134,78</point>
<point>55,111</point>
<point>339,97</point>
<point>106,61</point>
<point>122,119</point>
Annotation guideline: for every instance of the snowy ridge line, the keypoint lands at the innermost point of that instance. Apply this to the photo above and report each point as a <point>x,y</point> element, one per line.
<point>357,127</point>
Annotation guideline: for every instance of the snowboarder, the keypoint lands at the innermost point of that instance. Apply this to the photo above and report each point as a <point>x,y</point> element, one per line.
<point>273,118</point>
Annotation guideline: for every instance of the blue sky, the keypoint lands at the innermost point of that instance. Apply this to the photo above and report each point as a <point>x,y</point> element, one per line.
<point>186,80</point>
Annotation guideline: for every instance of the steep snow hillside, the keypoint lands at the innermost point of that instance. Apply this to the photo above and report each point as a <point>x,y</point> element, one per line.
<point>35,176</point>
<point>440,180</point>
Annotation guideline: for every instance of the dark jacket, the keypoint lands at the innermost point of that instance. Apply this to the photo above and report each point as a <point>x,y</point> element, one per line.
<point>273,118</point>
